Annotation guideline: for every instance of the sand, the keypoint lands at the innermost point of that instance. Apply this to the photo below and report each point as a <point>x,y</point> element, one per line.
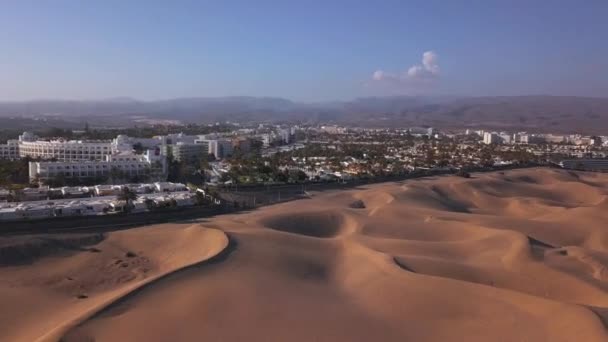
<point>505,256</point>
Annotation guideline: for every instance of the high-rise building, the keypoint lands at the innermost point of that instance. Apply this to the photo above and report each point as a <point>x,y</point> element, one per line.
<point>491,138</point>
<point>220,148</point>
<point>186,152</point>
<point>285,135</point>
<point>243,145</point>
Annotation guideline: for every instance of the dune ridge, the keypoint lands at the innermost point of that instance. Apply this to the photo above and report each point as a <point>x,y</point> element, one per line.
<point>124,262</point>
<point>505,256</point>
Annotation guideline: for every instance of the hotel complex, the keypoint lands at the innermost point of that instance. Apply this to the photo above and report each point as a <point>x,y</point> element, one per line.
<point>124,165</point>
<point>62,150</point>
<point>84,159</point>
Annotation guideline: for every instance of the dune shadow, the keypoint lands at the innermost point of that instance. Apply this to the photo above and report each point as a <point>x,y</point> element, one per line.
<point>403,265</point>
<point>315,224</point>
<point>601,313</point>
<point>24,250</point>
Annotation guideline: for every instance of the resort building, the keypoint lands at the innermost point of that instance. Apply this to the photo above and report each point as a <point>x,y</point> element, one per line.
<point>62,150</point>
<point>123,165</point>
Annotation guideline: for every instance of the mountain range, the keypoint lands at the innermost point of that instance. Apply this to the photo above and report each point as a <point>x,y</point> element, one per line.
<point>532,113</point>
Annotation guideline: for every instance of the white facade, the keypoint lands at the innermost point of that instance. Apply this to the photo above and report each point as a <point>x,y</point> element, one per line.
<point>186,151</point>
<point>169,187</point>
<point>175,138</point>
<point>29,145</point>
<point>266,140</point>
<point>490,138</point>
<point>150,164</point>
<point>285,135</point>
<point>220,148</point>
<point>123,143</point>
<point>63,150</point>
<point>505,138</point>
<point>521,138</point>
<point>10,150</point>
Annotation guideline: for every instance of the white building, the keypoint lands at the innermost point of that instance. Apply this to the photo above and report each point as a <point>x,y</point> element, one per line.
<point>10,150</point>
<point>169,187</point>
<point>187,152</point>
<point>491,138</point>
<point>220,148</point>
<point>285,135</point>
<point>151,164</point>
<point>521,138</point>
<point>505,138</point>
<point>123,143</point>
<point>107,190</point>
<point>266,140</point>
<point>63,150</point>
<point>5,194</point>
<point>29,145</point>
<point>555,139</point>
<point>172,139</point>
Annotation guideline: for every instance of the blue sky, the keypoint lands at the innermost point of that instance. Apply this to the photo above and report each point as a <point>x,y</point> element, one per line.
<point>302,50</point>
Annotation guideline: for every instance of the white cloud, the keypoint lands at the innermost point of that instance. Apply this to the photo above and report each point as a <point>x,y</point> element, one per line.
<point>417,74</point>
<point>429,60</point>
<point>378,75</point>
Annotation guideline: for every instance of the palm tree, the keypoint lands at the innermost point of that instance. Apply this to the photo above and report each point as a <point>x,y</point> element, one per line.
<point>128,196</point>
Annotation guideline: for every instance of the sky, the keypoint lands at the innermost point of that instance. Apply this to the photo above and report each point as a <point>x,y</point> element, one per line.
<point>301,50</point>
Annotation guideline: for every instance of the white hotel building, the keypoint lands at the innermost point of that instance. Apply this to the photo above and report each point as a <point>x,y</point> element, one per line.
<point>151,164</point>
<point>85,158</point>
<point>63,150</point>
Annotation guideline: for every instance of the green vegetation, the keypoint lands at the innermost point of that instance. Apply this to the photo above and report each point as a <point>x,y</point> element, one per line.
<point>14,173</point>
<point>128,196</point>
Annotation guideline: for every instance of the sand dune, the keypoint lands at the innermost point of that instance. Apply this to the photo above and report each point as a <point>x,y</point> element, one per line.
<point>44,298</point>
<point>510,256</point>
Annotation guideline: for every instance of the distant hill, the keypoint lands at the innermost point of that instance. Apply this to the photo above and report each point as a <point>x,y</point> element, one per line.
<point>534,113</point>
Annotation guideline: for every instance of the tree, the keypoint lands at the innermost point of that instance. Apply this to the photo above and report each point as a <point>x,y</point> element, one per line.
<point>128,196</point>
<point>138,148</point>
<point>281,177</point>
<point>299,176</point>
<point>150,205</point>
<point>430,157</point>
<point>204,164</point>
